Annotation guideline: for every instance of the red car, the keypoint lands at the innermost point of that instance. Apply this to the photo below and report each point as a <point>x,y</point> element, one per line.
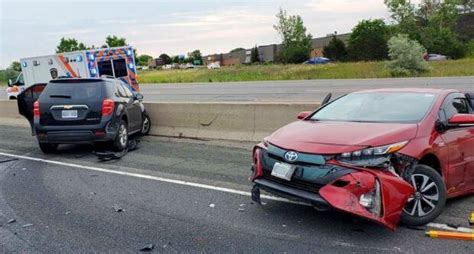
<point>384,155</point>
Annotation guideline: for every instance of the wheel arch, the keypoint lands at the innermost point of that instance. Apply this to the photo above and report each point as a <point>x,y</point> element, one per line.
<point>432,161</point>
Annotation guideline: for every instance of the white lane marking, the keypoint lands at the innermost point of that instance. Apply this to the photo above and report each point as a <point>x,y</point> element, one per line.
<point>155,178</point>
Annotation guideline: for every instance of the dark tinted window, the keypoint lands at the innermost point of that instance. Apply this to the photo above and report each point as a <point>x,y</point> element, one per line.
<point>378,107</point>
<point>105,68</point>
<point>457,106</point>
<point>73,90</point>
<point>120,68</point>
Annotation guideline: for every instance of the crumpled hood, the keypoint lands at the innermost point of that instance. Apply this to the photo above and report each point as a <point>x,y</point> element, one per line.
<point>338,137</point>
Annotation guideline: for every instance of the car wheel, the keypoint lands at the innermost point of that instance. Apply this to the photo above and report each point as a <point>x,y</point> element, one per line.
<point>429,199</point>
<point>48,148</point>
<point>121,140</point>
<point>146,124</point>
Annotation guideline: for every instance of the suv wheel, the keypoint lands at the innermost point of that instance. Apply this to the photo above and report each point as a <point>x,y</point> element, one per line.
<point>429,199</point>
<point>146,124</point>
<point>121,140</point>
<point>48,148</point>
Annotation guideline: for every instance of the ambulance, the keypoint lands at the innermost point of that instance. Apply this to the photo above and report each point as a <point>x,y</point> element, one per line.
<point>112,62</point>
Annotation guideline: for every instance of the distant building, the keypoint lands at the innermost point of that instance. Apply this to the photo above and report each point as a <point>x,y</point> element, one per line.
<point>155,63</point>
<point>268,53</point>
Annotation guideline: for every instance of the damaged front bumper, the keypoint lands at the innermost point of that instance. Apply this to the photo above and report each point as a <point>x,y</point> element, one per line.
<point>369,193</point>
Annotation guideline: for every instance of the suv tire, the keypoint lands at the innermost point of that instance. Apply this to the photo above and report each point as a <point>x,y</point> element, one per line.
<point>48,148</point>
<point>121,140</point>
<point>146,124</point>
<point>428,201</point>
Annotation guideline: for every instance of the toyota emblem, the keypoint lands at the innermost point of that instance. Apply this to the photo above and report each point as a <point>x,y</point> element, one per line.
<point>291,156</point>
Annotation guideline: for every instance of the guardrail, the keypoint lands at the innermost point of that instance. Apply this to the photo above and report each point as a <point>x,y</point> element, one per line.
<point>227,121</point>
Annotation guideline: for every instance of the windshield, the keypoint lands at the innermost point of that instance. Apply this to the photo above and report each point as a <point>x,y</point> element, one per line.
<point>377,107</point>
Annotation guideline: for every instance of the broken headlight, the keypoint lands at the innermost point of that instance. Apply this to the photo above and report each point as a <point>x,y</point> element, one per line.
<point>372,156</point>
<point>372,201</point>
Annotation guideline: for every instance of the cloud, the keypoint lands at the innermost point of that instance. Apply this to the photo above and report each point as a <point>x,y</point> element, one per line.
<point>346,6</point>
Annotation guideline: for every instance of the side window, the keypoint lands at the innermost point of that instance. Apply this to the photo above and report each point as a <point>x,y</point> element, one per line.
<point>456,105</point>
<point>36,91</point>
<point>126,89</point>
<point>120,68</point>
<point>120,91</point>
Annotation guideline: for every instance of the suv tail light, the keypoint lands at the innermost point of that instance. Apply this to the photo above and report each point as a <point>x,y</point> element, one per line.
<point>108,107</point>
<point>36,109</point>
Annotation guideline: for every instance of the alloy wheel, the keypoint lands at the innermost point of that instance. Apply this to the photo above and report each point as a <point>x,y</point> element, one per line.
<point>123,136</point>
<point>146,125</point>
<point>426,196</point>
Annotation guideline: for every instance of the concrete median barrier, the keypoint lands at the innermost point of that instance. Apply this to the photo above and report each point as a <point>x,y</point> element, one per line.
<point>228,121</point>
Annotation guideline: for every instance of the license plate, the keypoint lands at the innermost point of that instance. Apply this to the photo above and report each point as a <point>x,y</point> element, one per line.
<point>68,114</point>
<point>283,170</point>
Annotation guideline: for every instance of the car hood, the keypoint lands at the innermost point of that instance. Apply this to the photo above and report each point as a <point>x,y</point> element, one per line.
<point>339,137</point>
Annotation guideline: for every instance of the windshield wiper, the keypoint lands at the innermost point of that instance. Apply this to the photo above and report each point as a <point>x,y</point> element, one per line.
<point>60,96</point>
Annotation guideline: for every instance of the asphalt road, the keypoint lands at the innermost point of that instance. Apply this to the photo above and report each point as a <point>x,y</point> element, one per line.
<point>69,208</point>
<point>285,91</point>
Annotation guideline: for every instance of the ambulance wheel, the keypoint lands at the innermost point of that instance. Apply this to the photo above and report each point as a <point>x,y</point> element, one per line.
<point>48,148</point>
<point>429,199</point>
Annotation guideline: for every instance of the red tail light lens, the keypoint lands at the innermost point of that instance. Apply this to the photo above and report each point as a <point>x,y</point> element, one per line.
<point>108,107</point>
<point>36,109</point>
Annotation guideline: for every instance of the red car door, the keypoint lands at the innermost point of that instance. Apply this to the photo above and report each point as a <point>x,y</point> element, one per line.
<point>460,141</point>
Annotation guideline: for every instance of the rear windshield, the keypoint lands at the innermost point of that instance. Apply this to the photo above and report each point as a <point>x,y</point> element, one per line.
<point>82,90</point>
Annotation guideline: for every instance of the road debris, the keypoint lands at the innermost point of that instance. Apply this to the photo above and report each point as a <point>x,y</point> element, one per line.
<point>471,219</point>
<point>8,160</point>
<point>450,235</point>
<point>107,155</point>
<point>27,225</point>
<point>148,247</point>
<point>68,212</point>
<point>11,221</point>
<point>117,208</point>
<point>241,209</point>
<point>212,205</point>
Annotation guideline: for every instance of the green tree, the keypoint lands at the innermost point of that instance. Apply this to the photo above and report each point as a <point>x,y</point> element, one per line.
<point>406,56</point>
<point>404,13</point>
<point>255,56</point>
<point>296,42</point>
<point>195,57</point>
<point>470,49</point>
<point>443,41</point>
<point>69,44</point>
<point>113,41</point>
<point>335,50</point>
<point>176,59</point>
<point>165,58</point>
<point>16,66</point>
<point>143,60</point>
<point>368,40</point>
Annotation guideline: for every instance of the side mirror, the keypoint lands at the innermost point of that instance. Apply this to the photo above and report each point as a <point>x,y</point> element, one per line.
<point>10,83</point>
<point>462,119</point>
<point>139,96</point>
<point>304,114</point>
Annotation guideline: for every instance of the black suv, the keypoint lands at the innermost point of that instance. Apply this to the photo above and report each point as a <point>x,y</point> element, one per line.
<point>76,111</point>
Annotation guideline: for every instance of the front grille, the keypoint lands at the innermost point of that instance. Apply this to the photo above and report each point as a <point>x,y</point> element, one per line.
<point>294,183</point>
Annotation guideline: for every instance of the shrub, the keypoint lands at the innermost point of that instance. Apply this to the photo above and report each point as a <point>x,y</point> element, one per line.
<point>335,50</point>
<point>406,56</point>
<point>470,49</point>
<point>368,41</point>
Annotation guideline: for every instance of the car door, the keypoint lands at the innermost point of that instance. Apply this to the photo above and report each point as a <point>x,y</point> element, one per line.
<point>135,108</point>
<point>460,142</point>
<point>25,102</point>
<point>128,101</point>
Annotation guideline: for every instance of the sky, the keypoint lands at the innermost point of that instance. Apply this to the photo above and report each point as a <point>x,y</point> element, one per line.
<point>34,28</point>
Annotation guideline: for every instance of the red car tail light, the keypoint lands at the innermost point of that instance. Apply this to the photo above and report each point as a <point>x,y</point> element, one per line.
<point>108,107</point>
<point>36,109</point>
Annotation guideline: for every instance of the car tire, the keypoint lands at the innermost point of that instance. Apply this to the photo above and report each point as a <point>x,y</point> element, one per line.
<point>121,140</point>
<point>146,124</point>
<point>428,201</point>
<point>48,148</point>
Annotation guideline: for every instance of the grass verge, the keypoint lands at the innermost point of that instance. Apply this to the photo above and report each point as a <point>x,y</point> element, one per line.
<point>359,70</point>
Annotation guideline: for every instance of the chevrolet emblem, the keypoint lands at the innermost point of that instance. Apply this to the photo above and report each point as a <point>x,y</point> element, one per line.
<point>67,106</point>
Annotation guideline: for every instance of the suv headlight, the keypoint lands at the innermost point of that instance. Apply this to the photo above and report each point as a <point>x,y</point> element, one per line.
<point>373,151</point>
